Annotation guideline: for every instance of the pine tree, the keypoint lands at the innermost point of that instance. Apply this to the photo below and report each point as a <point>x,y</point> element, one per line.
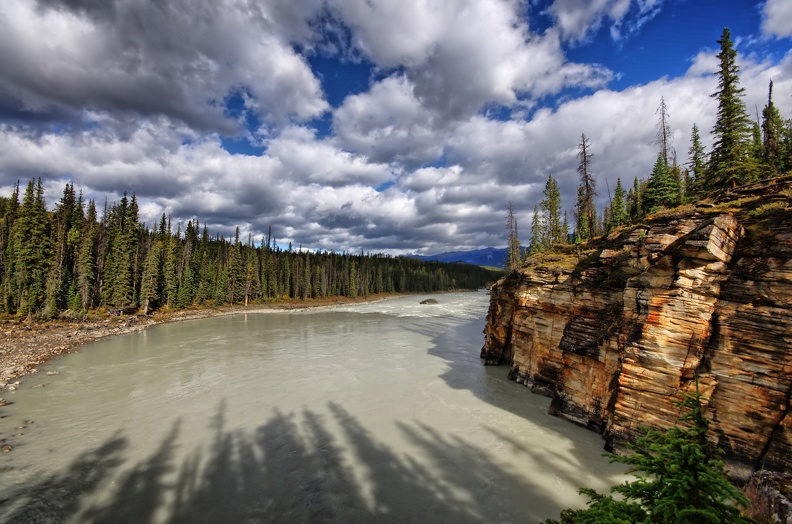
<point>551,214</point>
<point>678,480</point>
<point>663,136</point>
<point>662,190</point>
<point>513,256</point>
<point>536,232</point>
<point>772,129</point>
<point>697,162</point>
<point>9,289</point>
<point>583,226</point>
<point>32,251</point>
<point>586,210</point>
<point>151,287</point>
<point>353,286</point>
<point>618,214</point>
<point>86,258</point>
<point>756,150</point>
<point>729,163</point>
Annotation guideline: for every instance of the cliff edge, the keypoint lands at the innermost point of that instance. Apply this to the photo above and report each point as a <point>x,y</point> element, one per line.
<point>615,331</point>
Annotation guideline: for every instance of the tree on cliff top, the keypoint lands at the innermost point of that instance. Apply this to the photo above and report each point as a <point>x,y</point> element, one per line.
<point>586,211</point>
<point>514,257</point>
<point>678,480</point>
<point>730,164</point>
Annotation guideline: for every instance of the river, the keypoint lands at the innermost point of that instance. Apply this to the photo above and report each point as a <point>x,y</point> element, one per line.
<point>378,412</point>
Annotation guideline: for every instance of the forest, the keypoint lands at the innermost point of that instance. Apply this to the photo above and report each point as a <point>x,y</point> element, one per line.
<point>743,151</point>
<point>76,259</point>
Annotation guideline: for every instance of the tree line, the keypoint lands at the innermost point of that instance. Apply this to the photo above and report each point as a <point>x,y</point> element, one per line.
<point>78,258</point>
<point>743,151</point>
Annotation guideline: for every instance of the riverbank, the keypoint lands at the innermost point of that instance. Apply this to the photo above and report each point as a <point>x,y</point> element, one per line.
<point>26,345</point>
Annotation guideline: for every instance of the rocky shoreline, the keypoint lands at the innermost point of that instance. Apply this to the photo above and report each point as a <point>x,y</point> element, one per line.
<point>26,345</point>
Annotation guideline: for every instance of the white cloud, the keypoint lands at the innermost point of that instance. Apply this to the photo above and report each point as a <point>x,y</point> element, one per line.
<point>137,59</point>
<point>452,68</point>
<point>389,124</point>
<point>130,93</point>
<point>777,18</point>
<point>579,19</point>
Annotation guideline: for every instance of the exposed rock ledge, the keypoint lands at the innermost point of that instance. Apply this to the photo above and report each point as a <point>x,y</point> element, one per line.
<point>616,334</point>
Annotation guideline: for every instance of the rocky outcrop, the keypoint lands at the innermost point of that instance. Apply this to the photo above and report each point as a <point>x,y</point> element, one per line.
<point>617,333</point>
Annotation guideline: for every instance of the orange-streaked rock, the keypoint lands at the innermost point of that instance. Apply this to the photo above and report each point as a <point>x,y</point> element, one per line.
<point>616,337</point>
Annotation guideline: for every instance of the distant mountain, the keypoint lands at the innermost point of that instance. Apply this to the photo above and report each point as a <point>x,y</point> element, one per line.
<point>489,256</point>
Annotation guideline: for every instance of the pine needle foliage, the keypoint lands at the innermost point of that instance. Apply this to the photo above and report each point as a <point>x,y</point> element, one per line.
<point>678,480</point>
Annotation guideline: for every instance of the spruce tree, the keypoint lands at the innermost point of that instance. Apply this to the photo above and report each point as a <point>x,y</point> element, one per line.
<point>772,130</point>
<point>586,210</point>
<point>513,255</point>
<point>678,480</point>
<point>729,163</point>
<point>551,214</point>
<point>86,258</point>
<point>697,164</point>
<point>9,258</point>
<point>32,251</point>
<point>583,226</point>
<point>618,214</point>
<point>536,232</point>
<point>151,286</point>
<point>662,190</point>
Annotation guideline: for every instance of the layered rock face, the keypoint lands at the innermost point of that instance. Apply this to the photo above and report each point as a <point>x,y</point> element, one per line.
<point>617,334</point>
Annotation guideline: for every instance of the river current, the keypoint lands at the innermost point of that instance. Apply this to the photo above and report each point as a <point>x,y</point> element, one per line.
<point>378,412</point>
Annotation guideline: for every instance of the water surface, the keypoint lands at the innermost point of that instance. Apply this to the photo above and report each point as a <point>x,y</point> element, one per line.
<point>377,412</point>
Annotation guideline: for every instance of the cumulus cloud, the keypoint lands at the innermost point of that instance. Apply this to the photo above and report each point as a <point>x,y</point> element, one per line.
<point>178,60</point>
<point>131,95</point>
<point>777,18</point>
<point>389,124</point>
<point>452,69</point>
<point>579,19</point>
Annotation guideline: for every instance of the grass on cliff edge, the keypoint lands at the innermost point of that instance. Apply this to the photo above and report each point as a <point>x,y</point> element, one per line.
<point>763,208</point>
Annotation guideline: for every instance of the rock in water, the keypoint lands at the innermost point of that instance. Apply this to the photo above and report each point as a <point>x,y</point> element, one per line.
<point>429,301</point>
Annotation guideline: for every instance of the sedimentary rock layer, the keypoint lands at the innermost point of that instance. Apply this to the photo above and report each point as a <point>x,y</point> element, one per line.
<point>615,335</point>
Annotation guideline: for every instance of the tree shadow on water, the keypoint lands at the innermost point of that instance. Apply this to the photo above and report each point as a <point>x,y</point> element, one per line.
<point>306,467</point>
<point>57,498</point>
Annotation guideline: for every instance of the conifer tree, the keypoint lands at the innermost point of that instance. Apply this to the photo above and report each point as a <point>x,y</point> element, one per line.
<point>585,204</point>
<point>536,232</point>
<point>9,258</point>
<point>565,229</point>
<point>353,286</point>
<point>86,258</point>
<point>170,269</point>
<point>513,256</point>
<point>618,213</point>
<point>678,480</point>
<point>583,226</point>
<point>663,136</point>
<point>729,163</point>
<point>551,214</point>
<point>661,190</point>
<point>772,129</point>
<point>697,163</point>
<point>32,251</point>
<point>150,290</point>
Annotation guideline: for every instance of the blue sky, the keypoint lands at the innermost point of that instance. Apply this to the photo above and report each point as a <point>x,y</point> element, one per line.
<point>395,126</point>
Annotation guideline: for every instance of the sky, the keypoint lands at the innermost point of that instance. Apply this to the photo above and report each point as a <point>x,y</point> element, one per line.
<point>391,126</point>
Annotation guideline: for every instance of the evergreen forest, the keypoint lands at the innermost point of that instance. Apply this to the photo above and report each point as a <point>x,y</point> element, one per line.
<point>77,259</point>
<point>743,151</point>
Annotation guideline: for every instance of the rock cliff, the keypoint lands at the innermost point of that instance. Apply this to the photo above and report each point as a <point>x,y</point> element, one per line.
<point>614,332</point>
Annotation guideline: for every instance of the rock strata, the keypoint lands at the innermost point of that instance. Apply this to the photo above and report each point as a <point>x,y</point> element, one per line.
<point>616,334</point>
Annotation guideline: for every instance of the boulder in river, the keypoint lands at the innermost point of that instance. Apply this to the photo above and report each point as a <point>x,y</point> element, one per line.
<point>429,301</point>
